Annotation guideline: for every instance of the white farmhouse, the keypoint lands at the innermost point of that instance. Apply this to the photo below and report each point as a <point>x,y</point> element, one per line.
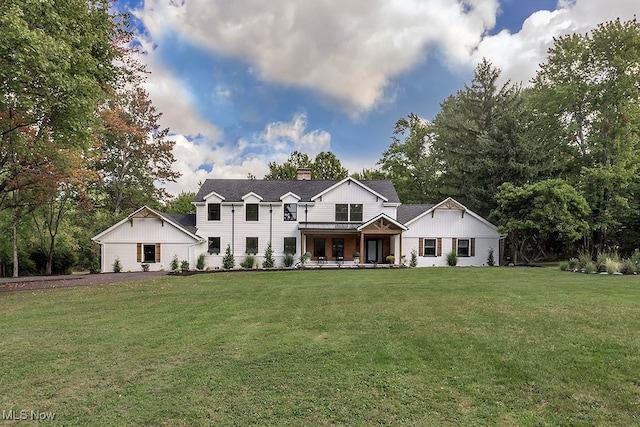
<point>330,220</point>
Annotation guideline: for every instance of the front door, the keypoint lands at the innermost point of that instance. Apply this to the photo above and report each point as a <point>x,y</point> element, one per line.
<point>374,251</point>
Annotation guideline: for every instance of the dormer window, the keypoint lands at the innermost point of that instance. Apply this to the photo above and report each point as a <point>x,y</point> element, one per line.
<point>213,212</point>
<point>290,212</point>
<point>251,210</point>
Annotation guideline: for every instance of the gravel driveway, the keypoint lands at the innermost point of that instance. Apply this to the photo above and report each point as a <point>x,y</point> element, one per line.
<point>46,282</point>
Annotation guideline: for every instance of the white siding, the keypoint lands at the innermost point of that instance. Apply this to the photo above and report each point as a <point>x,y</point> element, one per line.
<point>448,224</point>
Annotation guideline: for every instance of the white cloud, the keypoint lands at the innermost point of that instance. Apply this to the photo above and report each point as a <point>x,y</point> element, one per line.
<point>518,55</point>
<point>173,99</point>
<point>274,143</point>
<point>349,52</point>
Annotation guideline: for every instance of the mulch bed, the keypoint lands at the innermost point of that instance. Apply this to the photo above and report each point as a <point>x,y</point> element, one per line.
<point>48,282</point>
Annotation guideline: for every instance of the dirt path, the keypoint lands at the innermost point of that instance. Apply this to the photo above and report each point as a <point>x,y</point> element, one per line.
<point>46,282</point>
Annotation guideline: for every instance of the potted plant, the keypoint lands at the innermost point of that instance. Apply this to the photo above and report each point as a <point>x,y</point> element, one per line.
<point>304,258</point>
<point>356,257</point>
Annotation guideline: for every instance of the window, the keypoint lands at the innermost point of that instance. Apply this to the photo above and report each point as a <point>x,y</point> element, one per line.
<point>337,248</point>
<point>213,211</point>
<point>290,245</point>
<point>349,212</point>
<point>429,247</point>
<point>252,245</point>
<point>290,212</point>
<point>342,212</point>
<point>463,247</point>
<point>318,248</point>
<point>214,245</point>
<point>149,252</point>
<point>251,212</point>
<point>355,212</point>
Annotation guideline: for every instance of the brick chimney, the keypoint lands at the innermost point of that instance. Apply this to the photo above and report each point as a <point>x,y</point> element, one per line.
<point>303,174</point>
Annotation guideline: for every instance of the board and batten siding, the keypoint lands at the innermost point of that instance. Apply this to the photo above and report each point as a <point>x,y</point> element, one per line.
<point>124,241</point>
<point>447,227</point>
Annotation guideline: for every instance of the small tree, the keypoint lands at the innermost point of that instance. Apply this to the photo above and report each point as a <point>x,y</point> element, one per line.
<point>228,261</point>
<point>490,260</point>
<point>175,264</point>
<point>200,264</point>
<point>117,265</point>
<point>268,261</point>
<point>414,258</point>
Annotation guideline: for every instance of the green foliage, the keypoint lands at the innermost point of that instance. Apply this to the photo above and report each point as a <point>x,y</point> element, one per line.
<point>184,265</point>
<point>590,267</point>
<point>480,141</point>
<point>564,265</point>
<point>268,261</point>
<point>452,259</point>
<point>325,166</point>
<point>633,262</point>
<point>175,264</point>
<point>390,259</point>
<point>200,263</point>
<point>182,203</point>
<point>612,266</point>
<point>228,261</point>
<point>584,258</point>
<point>414,258</point>
<point>409,163</point>
<point>145,266</point>
<point>248,262</point>
<point>117,265</point>
<point>537,212</point>
<point>574,263</point>
<point>288,260</point>
<point>587,98</point>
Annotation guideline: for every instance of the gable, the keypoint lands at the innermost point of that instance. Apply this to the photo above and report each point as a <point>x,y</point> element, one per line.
<point>349,189</point>
<point>147,224</point>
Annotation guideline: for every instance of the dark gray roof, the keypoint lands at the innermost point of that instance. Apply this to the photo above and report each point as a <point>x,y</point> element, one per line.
<point>408,212</point>
<point>186,221</point>
<point>271,190</point>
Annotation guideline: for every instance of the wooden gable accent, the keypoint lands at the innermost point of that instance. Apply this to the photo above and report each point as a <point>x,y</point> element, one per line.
<point>449,204</point>
<point>145,213</point>
<point>382,226</point>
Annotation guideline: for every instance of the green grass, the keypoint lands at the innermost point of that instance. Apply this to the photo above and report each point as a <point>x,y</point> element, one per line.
<point>439,346</point>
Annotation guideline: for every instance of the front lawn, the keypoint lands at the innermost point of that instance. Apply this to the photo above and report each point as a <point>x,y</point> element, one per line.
<point>436,346</point>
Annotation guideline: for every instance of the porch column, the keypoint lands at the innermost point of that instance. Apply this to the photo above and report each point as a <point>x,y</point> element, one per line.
<point>362,255</point>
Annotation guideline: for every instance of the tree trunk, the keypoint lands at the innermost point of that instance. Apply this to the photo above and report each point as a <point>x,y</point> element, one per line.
<point>15,243</point>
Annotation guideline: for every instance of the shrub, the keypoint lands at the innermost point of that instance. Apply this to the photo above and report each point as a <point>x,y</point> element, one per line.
<point>117,265</point>
<point>200,264</point>
<point>564,265</point>
<point>268,261</point>
<point>633,263</point>
<point>490,260</point>
<point>288,260</point>
<point>603,257</point>
<point>248,261</point>
<point>414,258</point>
<point>391,259</point>
<point>584,258</point>
<point>612,266</point>
<point>228,261</point>
<point>175,264</point>
<point>184,265</point>
<point>144,266</point>
<point>589,267</point>
<point>452,259</point>
<point>94,266</point>
<point>573,264</point>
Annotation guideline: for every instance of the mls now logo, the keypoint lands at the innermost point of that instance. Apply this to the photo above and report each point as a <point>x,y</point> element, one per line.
<point>23,415</point>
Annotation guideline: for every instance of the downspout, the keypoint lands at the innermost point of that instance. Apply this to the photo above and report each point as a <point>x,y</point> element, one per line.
<point>233,229</point>
<point>271,225</point>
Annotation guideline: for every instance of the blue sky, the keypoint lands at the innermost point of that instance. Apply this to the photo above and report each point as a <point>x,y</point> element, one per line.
<point>244,83</point>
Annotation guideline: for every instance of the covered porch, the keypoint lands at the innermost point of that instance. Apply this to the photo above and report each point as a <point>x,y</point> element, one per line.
<point>337,242</point>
